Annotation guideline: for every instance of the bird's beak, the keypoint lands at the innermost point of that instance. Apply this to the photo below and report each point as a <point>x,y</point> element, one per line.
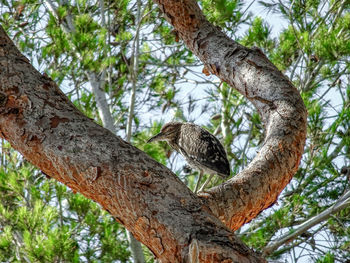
<point>158,137</point>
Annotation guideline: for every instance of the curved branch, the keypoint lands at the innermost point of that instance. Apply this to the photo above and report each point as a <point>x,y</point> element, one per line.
<point>279,104</point>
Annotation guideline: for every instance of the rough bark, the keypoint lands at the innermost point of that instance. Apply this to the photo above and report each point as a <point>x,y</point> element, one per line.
<point>41,123</point>
<point>279,104</point>
<point>97,84</point>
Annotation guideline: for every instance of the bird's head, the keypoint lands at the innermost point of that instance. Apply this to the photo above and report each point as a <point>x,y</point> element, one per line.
<point>168,132</point>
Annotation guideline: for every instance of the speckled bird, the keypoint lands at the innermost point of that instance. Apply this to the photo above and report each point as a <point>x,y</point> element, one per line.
<point>201,149</point>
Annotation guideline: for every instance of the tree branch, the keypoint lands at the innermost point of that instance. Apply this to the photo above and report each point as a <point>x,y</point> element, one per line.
<point>279,104</point>
<point>342,203</point>
<point>147,198</point>
<point>160,211</point>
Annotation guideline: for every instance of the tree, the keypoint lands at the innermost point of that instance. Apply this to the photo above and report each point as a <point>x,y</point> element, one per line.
<point>258,34</point>
<point>99,172</point>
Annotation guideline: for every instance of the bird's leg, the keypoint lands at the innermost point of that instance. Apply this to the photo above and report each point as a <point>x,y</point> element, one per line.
<point>198,181</point>
<point>206,182</point>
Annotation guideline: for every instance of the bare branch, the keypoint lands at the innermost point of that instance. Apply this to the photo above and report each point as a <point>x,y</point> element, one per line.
<point>342,203</point>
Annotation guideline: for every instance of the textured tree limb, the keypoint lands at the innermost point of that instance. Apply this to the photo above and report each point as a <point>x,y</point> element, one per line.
<point>41,123</point>
<point>97,85</point>
<point>279,104</point>
<point>147,198</point>
<point>342,203</point>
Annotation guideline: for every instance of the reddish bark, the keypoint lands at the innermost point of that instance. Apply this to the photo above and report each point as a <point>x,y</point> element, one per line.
<point>41,123</point>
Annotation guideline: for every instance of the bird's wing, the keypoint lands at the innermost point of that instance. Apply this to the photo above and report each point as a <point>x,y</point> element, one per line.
<point>204,149</point>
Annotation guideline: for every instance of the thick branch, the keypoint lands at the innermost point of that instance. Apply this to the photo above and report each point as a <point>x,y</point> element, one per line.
<point>40,122</point>
<point>281,108</point>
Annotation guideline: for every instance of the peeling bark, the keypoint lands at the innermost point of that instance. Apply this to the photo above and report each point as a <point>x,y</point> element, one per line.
<point>160,211</point>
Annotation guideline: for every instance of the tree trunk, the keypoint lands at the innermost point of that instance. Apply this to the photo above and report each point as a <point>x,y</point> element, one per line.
<point>40,122</point>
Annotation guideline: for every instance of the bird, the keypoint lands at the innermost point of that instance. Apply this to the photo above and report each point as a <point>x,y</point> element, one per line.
<point>202,150</point>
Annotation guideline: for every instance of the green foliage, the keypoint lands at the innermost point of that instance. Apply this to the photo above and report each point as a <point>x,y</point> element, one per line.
<point>287,51</point>
<point>258,35</point>
<point>328,258</point>
<point>44,222</point>
<point>227,14</point>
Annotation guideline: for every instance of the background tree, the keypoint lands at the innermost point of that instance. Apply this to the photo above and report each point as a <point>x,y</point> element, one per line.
<point>94,63</point>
